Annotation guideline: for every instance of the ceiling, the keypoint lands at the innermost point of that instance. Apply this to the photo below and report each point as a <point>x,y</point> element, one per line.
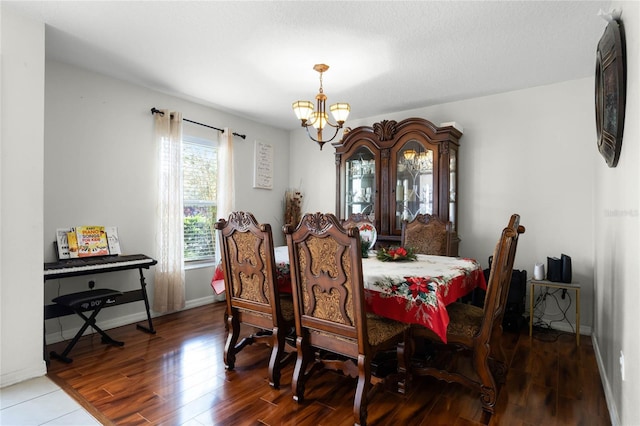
<point>253,59</point>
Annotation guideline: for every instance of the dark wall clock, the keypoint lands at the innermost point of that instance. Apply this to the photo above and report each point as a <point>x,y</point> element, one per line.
<point>611,89</point>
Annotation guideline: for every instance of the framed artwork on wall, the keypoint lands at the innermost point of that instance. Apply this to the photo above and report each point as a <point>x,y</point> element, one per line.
<point>611,89</point>
<point>263,165</point>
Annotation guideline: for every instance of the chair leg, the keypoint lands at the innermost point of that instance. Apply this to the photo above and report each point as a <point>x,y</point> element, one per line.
<point>300,373</point>
<point>230,350</point>
<point>487,382</point>
<point>404,353</point>
<point>277,353</point>
<point>360,400</point>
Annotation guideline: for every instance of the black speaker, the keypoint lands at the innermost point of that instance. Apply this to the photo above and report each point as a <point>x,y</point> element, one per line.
<point>566,268</point>
<point>513,319</point>
<point>554,269</point>
<point>517,288</point>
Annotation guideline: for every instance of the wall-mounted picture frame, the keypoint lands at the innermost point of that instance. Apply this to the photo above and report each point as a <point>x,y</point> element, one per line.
<point>263,165</point>
<point>611,91</point>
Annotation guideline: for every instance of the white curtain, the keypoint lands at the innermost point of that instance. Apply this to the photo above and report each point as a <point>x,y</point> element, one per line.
<point>169,288</point>
<point>226,202</point>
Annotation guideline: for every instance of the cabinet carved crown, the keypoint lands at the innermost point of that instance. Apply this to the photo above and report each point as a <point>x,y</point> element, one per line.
<point>385,130</point>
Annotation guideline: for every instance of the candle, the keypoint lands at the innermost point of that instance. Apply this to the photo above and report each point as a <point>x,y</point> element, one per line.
<point>399,191</point>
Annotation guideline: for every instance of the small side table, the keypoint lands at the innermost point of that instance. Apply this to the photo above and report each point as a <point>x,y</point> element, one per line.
<point>553,284</point>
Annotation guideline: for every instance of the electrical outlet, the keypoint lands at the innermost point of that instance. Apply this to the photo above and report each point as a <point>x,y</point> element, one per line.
<point>622,365</point>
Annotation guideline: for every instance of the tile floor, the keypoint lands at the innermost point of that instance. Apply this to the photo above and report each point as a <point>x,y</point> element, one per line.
<point>39,401</point>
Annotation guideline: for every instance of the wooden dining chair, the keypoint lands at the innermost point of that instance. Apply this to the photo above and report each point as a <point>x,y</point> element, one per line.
<point>333,330</point>
<point>356,219</point>
<point>474,333</point>
<point>428,234</point>
<point>252,294</point>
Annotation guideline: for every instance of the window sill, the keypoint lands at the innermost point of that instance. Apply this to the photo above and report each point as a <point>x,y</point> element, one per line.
<point>199,264</point>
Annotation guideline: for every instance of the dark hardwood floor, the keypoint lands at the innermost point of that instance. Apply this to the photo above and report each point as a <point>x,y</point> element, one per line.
<point>177,377</point>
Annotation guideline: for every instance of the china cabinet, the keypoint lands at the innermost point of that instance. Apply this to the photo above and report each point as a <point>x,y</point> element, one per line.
<point>392,171</point>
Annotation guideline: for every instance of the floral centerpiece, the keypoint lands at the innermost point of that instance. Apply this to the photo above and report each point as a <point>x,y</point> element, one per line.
<point>395,254</point>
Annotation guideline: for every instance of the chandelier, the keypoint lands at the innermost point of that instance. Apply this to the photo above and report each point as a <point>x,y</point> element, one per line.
<point>319,119</point>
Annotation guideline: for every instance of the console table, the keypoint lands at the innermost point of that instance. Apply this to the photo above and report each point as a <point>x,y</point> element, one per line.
<point>554,284</point>
<point>98,265</point>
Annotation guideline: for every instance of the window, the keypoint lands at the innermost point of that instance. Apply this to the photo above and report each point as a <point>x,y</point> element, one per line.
<point>199,168</point>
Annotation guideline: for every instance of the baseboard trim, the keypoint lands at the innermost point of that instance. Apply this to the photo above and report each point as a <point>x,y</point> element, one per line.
<point>67,334</point>
<point>21,375</point>
<point>608,394</point>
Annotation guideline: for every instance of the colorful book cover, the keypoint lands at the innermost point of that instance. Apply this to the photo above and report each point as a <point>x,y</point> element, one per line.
<point>92,241</point>
<point>72,240</point>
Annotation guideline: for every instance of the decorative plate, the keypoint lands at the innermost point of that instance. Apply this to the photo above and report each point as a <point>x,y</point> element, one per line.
<point>368,232</point>
<point>611,91</point>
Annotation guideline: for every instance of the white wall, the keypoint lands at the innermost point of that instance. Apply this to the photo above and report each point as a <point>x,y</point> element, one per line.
<point>100,169</point>
<point>21,160</point>
<point>530,152</point>
<point>616,212</point>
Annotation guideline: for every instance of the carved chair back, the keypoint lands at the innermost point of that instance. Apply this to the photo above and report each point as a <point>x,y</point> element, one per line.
<point>326,274</point>
<point>500,277</point>
<point>329,307</point>
<point>428,234</point>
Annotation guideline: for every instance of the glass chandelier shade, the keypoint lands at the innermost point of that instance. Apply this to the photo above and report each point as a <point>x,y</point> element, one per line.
<point>340,111</point>
<point>303,109</point>
<point>319,120</point>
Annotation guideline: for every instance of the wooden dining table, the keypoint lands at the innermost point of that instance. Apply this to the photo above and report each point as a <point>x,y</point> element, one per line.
<point>414,292</point>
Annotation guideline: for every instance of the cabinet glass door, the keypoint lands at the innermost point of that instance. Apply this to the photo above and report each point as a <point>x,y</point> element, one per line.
<point>414,183</point>
<point>360,183</point>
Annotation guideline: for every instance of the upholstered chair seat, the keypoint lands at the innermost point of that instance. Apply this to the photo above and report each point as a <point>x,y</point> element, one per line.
<point>465,320</point>
<point>381,329</point>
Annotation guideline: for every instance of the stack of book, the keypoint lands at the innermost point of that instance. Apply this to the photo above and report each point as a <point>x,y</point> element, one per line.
<point>87,241</point>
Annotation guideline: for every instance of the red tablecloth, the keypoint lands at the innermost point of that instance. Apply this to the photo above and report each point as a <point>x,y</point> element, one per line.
<point>418,292</point>
<point>414,292</point>
<point>282,272</point>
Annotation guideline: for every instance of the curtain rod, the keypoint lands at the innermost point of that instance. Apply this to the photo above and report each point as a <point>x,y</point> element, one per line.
<point>155,110</point>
